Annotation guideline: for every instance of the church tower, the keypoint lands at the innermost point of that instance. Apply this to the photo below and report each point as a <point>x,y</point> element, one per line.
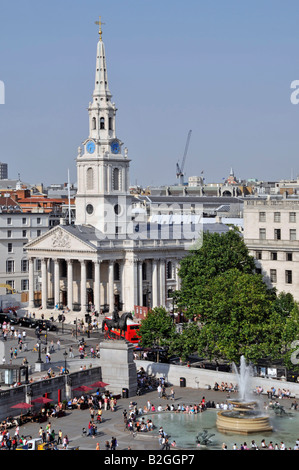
<point>103,198</point>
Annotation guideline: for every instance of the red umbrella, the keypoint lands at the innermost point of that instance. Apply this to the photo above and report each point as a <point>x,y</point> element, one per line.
<point>42,400</point>
<point>83,388</point>
<point>22,406</point>
<point>99,384</point>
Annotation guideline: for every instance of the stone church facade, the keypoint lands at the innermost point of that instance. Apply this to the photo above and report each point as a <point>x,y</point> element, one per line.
<point>111,255</point>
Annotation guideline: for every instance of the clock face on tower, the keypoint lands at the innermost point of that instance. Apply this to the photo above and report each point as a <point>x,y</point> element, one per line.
<point>115,147</point>
<point>90,147</point>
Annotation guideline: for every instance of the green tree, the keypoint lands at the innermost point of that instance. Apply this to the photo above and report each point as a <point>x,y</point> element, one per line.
<point>157,328</point>
<point>236,315</point>
<point>286,313</point>
<point>218,254</point>
<point>185,343</point>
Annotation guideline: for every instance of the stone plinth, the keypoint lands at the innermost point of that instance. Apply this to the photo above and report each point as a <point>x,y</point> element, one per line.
<point>118,367</point>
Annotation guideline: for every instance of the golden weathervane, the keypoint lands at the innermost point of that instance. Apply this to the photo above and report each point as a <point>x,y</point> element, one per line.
<point>100,27</point>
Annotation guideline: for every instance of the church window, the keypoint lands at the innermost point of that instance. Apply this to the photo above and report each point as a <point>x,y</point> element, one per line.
<point>144,271</point>
<point>102,123</point>
<point>169,270</point>
<point>89,270</point>
<point>94,123</point>
<point>116,176</point>
<point>110,124</point>
<point>116,272</point>
<point>63,268</point>
<point>117,209</point>
<point>89,209</point>
<point>89,178</point>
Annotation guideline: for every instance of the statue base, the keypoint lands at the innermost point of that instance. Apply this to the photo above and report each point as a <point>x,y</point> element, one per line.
<point>118,367</point>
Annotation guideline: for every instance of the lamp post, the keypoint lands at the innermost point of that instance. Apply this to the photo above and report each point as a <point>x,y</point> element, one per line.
<point>39,360</point>
<point>65,356</point>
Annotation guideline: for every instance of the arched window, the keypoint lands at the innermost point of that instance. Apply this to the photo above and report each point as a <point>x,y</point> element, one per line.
<point>116,175</point>
<point>102,123</point>
<point>94,123</point>
<point>169,270</point>
<point>89,178</point>
<point>110,124</point>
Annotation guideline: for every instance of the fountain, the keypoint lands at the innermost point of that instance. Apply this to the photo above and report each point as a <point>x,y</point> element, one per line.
<point>244,417</point>
<point>204,438</point>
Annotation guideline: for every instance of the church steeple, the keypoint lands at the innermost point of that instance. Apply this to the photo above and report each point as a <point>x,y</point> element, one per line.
<point>101,89</point>
<point>102,168</point>
<point>101,111</point>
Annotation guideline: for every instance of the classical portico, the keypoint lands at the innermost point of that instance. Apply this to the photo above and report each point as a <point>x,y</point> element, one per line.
<point>77,271</point>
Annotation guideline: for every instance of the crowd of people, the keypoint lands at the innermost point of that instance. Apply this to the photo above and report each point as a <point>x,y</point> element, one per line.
<point>263,446</point>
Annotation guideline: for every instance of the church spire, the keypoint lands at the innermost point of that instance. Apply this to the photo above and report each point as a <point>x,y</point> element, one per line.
<point>101,89</point>
<point>101,111</point>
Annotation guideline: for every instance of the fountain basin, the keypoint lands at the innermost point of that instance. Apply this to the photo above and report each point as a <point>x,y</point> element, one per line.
<point>242,423</point>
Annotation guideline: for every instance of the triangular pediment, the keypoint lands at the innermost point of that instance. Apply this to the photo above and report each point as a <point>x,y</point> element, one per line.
<point>61,239</point>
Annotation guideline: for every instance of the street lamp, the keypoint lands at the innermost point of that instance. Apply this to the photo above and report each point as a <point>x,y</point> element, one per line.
<point>39,360</point>
<point>65,356</point>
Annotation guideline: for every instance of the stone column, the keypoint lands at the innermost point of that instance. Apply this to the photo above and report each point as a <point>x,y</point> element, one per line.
<point>31,282</point>
<point>109,179</point>
<point>122,283</point>
<point>97,285</point>
<point>155,283</point>
<point>162,283</point>
<point>49,275</point>
<point>111,286</point>
<point>83,287</point>
<point>177,277</point>
<point>70,294</point>
<point>44,283</point>
<point>56,282</point>
<point>140,285</point>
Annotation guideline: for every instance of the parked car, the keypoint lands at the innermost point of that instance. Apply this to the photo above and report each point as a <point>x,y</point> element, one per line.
<point>4,317</point>
<point>27,322</point>
<point>46,325</point>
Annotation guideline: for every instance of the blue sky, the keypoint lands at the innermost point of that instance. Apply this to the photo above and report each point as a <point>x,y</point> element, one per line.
<point>222,68</point>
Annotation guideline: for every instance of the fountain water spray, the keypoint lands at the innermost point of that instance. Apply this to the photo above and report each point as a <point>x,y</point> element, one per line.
<point>244,376</point>
<point>244,417</point>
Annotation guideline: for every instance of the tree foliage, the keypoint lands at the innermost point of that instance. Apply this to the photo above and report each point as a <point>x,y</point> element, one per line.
<point>237,314</point>
<point>157,328</point>
<point>219,253</point>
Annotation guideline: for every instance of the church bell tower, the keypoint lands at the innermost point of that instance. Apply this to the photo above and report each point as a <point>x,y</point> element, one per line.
<point>103,198</point>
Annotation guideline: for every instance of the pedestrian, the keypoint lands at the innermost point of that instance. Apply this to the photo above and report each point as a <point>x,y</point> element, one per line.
<point>65,442</point>
<point>59,439</point>
<point>172,394</point>
<point>113,443</point>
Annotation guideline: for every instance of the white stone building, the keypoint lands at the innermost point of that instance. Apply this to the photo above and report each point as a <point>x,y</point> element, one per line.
<point>16,229</point>
<point>271,232</point>
<point>111,255</point>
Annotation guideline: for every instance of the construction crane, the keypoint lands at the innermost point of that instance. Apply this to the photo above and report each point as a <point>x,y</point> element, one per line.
<point>8,287</point>
<point>180,169</point>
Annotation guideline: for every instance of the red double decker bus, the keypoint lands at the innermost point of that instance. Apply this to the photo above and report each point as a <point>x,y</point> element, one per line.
<point>131,334</point>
